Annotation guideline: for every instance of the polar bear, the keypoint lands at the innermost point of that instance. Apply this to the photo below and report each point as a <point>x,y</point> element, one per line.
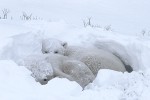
<point>41,70</point>
<point>73,70</point>
<point>62,67</point>
<point>118,58</point>
<point>95,59</point>
<point>51,45</point>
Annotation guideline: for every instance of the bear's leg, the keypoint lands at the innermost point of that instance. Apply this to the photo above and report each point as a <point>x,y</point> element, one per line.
<point>79,72</point>
<point>61,74</point>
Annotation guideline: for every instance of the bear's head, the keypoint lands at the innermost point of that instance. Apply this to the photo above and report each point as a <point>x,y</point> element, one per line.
<point>43,72</point>
<point>53,46</point>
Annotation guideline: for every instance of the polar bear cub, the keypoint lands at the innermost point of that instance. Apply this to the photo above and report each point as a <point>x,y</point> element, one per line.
<point>47,66</point>
<point>73,70</point>
<point>41,70</point>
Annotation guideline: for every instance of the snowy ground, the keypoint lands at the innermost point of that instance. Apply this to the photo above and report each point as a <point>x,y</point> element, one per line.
<point>63,20</point>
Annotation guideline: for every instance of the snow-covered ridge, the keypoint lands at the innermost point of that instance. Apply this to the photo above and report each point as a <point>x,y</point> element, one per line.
<point>133,49</point>
<point>63,19</point>
<point>123,86</point>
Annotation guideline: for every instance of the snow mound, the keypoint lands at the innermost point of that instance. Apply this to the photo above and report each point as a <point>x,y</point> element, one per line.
<point>17,83</point>
<point>133,85</point>
<point>21,46</point>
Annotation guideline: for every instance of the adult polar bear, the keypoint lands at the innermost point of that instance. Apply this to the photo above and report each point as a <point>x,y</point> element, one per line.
<point>51,45</point>
<point>95,59</point>
<point>53,65</point>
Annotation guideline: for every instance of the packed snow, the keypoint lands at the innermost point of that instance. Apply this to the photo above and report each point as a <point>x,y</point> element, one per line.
<point>129,37</point>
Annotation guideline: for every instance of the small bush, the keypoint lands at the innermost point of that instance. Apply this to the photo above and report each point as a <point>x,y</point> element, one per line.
<point>5,13</point>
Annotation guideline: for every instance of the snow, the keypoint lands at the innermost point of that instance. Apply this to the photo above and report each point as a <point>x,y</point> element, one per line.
<point>63,20</point>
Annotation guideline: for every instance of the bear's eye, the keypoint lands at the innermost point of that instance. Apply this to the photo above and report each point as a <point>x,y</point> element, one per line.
<point>45,79</point>
<point>63,44</point>
<point>46,51</point>
<point>55,51</point>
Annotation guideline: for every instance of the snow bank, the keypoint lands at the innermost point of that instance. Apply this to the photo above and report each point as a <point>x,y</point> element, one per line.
<point>134,50</point>
<point>17,84</point>
<point>129,86</point>
<point>19,38</point>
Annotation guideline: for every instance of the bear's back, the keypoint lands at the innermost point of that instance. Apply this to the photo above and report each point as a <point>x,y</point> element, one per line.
<point>78,71</point>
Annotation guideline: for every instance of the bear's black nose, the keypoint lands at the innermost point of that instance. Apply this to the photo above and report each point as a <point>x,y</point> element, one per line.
<point>46,52</point>
<point>45,79</point>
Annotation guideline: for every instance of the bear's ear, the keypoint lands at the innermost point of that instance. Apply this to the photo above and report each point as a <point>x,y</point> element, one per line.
<point>64,44</point>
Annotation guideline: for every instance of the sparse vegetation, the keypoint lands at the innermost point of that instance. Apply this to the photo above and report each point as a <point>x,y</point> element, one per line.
<point>144,33</point>
<point>30,16</point>
<point>88,23</point>
<point>24,16</point>
<point>108,28</point>
<point>5,13</point>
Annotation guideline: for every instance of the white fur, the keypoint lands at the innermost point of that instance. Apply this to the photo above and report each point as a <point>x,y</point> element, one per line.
<point>50,45</point>
<point>48,66</point>
<point>41,70</point>
<point>95,59</point>
<point>71,69</point>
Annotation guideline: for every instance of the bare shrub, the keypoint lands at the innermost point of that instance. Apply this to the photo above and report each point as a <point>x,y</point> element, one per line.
<point>143,32</point>
<point>26,16</point>
<point>5,13</point>
<point>88,22</point>
<point>108,28</point>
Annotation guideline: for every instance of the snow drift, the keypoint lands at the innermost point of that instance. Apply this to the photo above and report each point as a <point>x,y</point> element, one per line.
<point>63,20</point>
<point>134,49</point>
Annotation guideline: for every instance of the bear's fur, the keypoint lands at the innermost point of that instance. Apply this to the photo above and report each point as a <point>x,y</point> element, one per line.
<point>95,59</point>
<point>51,45</point>
<point>118,50</point>
<point>62,67</point>
<point>41,70</point>
<point>71,69</point>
